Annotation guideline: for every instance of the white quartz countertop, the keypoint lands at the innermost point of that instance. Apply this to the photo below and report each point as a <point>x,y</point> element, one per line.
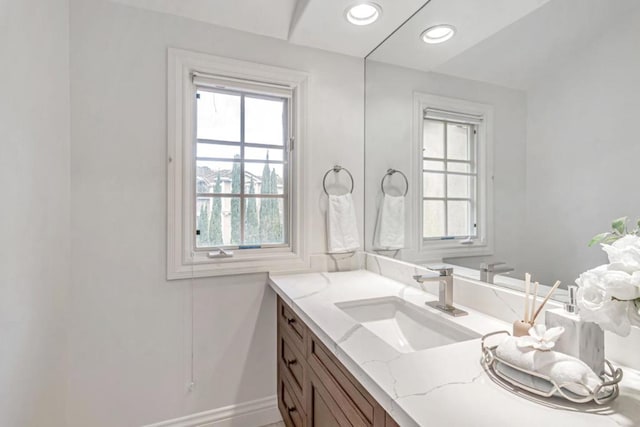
<point>439,386</point>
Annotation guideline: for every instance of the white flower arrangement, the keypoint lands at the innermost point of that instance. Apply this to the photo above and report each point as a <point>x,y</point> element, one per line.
<point>609,295</point>
<point>540,338</point>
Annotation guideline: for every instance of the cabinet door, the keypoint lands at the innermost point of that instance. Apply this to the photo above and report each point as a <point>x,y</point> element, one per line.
<point>390,422</point>
<point>356,403</point>
<point>322,409</point>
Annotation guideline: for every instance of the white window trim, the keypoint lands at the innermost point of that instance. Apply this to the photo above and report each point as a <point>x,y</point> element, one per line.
<point>182,260</point>
<point>483,245</point>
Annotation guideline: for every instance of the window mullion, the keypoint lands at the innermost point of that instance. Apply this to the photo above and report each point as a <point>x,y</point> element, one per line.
<point>194,166</point>
<point>242,173</point>
<point>476,197</point>
<point>450,172</point>
<point>473,188</point>
<point>451,199</point>
<point>446,180</point>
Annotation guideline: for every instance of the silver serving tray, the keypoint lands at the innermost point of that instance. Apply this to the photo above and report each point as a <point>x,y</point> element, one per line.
<point>544,386</point>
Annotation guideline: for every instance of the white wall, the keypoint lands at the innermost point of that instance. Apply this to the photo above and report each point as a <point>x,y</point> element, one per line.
<point>129,333</point>
<point>583,151</point>
<point>34,218</point>
<point>389,113</point>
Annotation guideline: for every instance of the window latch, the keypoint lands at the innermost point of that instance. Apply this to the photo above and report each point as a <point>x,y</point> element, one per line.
<point>221,253</point>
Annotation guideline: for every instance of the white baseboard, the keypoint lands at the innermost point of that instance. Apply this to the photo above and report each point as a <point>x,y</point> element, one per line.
<point>256,413</point>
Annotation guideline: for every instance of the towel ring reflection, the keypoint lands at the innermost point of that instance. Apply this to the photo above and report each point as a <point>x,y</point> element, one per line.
<point>391,172</point>
<point>336,169</point>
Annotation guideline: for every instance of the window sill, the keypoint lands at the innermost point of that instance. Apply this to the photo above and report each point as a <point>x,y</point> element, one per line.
<point>436,251</point>
<point>203,266</point>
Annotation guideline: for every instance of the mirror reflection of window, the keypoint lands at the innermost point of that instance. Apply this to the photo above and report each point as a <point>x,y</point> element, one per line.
<point>449,179</point>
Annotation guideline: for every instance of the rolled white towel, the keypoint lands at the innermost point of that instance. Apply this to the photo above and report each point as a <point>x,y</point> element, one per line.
<point>563,369</point>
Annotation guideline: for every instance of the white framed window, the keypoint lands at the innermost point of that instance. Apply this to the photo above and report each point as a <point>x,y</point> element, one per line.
<point>234,176</point>
<point>453,141</point>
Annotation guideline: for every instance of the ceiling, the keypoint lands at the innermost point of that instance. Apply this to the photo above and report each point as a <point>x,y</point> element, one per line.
<point>474,20</point>
<point>532,47</point>
<point>314,23</point>
<point>505,42</point>
<point>264,17</point>
<point>323,25</point>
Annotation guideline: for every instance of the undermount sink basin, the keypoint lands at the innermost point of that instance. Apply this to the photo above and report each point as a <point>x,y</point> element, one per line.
<point>404,326</point>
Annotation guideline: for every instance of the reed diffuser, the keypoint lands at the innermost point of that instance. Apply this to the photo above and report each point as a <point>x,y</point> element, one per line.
<point>531,313</point>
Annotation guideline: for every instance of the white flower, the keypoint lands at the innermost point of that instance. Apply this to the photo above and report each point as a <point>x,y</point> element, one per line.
<point>624,253</point>
<point>540,338</point>
<point>604,296</point>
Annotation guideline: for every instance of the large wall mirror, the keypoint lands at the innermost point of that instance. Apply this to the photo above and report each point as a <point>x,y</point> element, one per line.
<point>515,126</point>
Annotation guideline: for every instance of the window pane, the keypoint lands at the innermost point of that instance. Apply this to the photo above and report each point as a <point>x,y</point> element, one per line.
<point>458,141</point>
<point>253,153</point>
<point>264,221</point>
<point>217,221</point>
<point>459,186</point>
<point>433,218</point>
<point>217,177</point>
<point>433,165</point>
<point>268,177</point>
<point>433,184</point>
<point>433,139</point>
<point>459,167</point>
<point>264,121</point>
<point>218,116</point>
<point>217,150</point>
<point>458,218</point>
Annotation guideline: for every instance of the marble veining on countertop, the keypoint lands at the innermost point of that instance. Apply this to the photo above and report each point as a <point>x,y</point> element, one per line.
<point>438,386</point>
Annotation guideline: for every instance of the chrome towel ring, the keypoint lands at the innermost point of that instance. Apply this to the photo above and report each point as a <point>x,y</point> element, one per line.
<point>336,169</point>
<point>390,172</point>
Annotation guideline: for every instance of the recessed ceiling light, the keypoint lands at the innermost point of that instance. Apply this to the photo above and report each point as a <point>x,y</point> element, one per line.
<point>438,33</point>
<point>363,13</point>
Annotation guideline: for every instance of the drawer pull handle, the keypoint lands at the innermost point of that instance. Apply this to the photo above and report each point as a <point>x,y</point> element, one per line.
<point>291,362</point>
<point>291,409</point>
<point>290,320</point>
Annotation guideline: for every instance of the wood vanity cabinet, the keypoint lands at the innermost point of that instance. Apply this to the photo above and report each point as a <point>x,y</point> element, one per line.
<point>314,388</point>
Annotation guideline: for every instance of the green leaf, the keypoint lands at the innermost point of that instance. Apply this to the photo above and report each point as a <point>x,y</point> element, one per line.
<point>611,239</point>
<point>620,225</point>
<point>599,238</point>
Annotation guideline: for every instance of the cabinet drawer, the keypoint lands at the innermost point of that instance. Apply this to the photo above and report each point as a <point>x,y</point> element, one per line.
<point>291,360</point>
<point>292,324</point>
<point>290,407</point>
<point>342,386</point>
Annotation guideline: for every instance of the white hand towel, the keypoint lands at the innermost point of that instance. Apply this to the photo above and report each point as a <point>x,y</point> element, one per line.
<point>342,229</point>
<point>390,225</point>
<point>565,370</point>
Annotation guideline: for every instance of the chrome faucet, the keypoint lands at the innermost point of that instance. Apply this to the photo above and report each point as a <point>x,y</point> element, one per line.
<point>488,270</point>
<point>444,276</point>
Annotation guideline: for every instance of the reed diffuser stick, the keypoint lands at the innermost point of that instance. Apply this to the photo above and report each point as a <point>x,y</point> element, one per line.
<point>534,297</point>
<point>527,283</point>
<point>553,289</point>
